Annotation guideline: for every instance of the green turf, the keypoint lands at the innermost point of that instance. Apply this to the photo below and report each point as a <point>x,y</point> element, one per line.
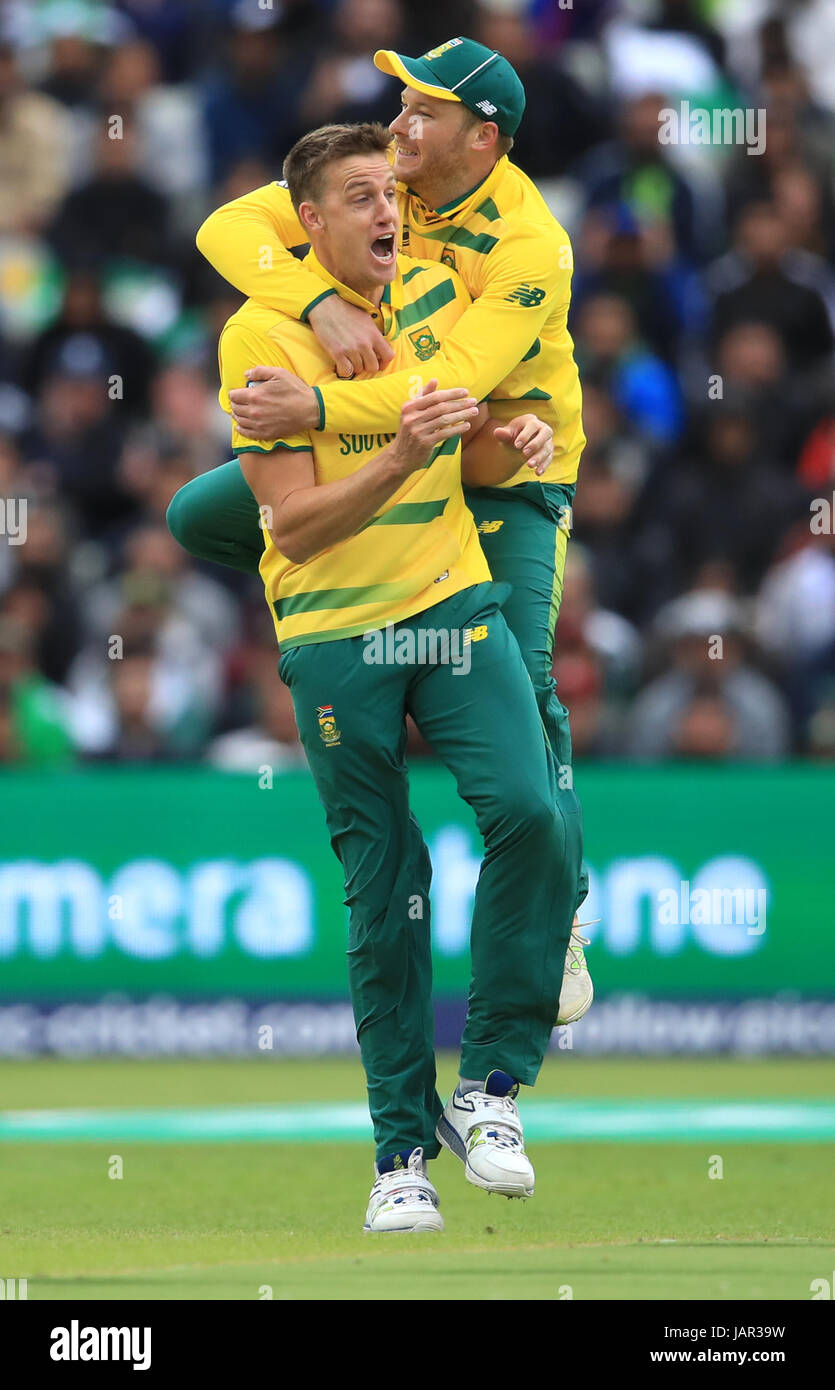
<point>212,1221</point>
<point>51,1082</point>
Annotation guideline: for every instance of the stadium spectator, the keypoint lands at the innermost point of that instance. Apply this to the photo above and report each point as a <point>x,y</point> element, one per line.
<point>271,740</point>
<point>151,472</point>
<point>633,261</point>
<point>752,363</point>
<point>617,463</point>
<point>580,684</point>
<point>193,597</point>
<point>642,386</point>
<point>176,29</point>
<point>710,702</point>
<point>768,35</point>
<point>686,17</point>
<point>798,133</point>
<point>42,594</point>
<point>188,416</point>
<point>78,431</point>
<point>34,170</point>
<point>596,663</point>
<point>185,681</point>
<point>726,500</point>
<point>116,214</point>
<point>759,283</point>
<point>171,143</point>
<point>344,84</point>
<point>614,642</point>
<point>816,466</point>
<point>75,55</point>
<point>805,205</point>
<point>251,105</point>
<point>705,729</point>
<point>634,171</point>
<point>706,359</point>
<point>795,615</point>
<point>134,736</point>
<point>33,714</point>
<point>83,318</point>
<point>562,119</point>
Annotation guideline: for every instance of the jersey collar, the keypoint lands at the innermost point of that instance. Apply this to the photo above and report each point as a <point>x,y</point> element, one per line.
<point>468,202</point>
<point>391,301</point>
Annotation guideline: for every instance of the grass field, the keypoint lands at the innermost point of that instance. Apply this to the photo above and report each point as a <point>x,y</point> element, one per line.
<point>624,1219</point>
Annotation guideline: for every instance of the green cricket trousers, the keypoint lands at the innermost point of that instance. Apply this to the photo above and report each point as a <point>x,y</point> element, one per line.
<point>524,533</point>
<point>479,714</point>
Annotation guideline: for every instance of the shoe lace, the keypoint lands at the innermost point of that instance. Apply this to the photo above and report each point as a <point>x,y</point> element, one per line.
<point>575,948</point>
<point>503,1136</point>
<point>408,1181</point>
<point>576,942</point>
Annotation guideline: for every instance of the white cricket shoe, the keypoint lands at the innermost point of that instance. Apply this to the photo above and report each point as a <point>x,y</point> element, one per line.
<point>404,1200</point>
<point>577,990</point>
<point>485,1132</point>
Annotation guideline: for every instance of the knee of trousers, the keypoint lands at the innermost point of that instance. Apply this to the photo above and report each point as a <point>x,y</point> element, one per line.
<point>547,694</point>
<point>555,718</point>
<point>388,903</point>
<point>522,817</point>
<point>388,950</point>
<point>185,520</point>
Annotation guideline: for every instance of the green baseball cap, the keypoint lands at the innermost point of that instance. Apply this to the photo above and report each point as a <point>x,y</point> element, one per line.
<point>463,70</point>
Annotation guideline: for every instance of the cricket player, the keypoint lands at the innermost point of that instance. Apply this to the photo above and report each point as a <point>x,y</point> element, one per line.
<point>367,534</point>
<point>462,202</point>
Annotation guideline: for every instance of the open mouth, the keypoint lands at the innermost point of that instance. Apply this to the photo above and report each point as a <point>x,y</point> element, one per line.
<point>403,152</point>
<point>383,248</point>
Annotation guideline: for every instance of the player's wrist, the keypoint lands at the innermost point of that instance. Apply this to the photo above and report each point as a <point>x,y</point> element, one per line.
<point>315,418</point>
<point>398,461</point>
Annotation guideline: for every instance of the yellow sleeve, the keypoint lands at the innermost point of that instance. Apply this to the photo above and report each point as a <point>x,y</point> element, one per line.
<point>238,348</point>
<point>526,277</point>
<point>248,242</point>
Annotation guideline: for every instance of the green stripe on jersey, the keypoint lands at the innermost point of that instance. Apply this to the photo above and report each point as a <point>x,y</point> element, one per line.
<point>426,305</point>
<point>448,446</point>
<point>459,236</point>
<point>489,210</point>
<point>314,600</point>
<point>408,514</point>
<point>273,448</point>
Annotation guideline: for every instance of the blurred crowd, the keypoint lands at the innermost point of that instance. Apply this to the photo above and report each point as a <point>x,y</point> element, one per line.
<point>698,617</point>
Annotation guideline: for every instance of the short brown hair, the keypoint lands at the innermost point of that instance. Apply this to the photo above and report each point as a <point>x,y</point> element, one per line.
<point>306,163</point>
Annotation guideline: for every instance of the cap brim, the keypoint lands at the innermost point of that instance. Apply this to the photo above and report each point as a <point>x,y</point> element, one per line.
<point>415,72</point>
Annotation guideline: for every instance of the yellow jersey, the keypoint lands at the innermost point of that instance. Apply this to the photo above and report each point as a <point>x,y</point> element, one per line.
<point>422,545</point>
<point>512,347</point>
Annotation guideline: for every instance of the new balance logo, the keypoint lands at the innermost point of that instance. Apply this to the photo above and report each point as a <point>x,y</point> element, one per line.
<point>487,107</point>
<point>486,528</point>
<point>526,295</point>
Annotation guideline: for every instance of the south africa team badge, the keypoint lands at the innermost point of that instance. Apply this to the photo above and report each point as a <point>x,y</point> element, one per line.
<point>328,731</point>
<point>424,343</point>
